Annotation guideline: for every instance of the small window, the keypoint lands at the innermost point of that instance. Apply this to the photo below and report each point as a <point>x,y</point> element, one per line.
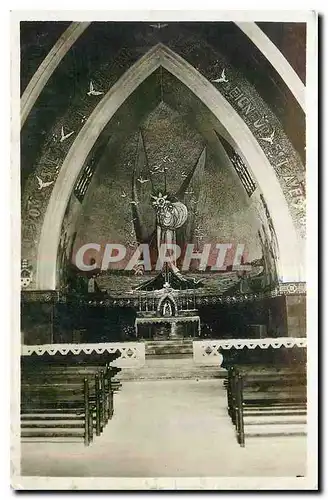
<point>83,182</point>
<point>240,167</point>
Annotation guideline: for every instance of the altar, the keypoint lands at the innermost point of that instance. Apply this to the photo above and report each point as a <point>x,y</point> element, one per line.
<point>167,328</point>
<point>161,316</point>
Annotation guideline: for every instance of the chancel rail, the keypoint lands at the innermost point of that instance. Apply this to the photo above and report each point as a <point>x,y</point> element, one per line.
<point>209,351</point>
<point>131,353</point>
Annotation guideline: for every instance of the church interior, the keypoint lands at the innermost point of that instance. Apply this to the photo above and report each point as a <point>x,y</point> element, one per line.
<point>135,136</point>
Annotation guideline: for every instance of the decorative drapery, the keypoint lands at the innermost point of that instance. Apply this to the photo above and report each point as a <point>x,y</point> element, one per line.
<point>168,319</point>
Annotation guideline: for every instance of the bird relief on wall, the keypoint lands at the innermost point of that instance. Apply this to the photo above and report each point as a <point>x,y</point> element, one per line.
<point>158,26</point>
<point>63,136</point>
<point>222,78</point>
<point>92,91</point>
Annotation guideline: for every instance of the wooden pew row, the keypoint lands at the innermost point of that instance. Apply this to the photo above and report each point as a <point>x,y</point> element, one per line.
<point>69,363</point>
<point>53,375</point>
<point>101,393</point>
<point>52,389</point>
<point>265,372</point>
<point>267,401</point>
<point>230,382</point>
<point>58,370</point>
<point>61,397</point>
<point>57,413</point>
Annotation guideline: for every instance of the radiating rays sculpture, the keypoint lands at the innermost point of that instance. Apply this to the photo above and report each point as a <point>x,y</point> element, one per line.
<point>175,210</point>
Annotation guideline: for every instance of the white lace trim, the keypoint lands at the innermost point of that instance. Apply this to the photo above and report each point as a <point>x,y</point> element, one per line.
<point>251,343</point>
<point>131,353</point>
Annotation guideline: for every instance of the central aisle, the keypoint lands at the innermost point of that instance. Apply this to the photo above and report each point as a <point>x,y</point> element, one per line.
<point>168,428</point>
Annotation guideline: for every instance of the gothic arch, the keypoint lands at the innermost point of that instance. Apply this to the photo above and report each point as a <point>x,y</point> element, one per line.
<point>48,66</point>
<point>168,298</point>
<point>289,265</point>
<point>75,30</point>
<point>276,59</point>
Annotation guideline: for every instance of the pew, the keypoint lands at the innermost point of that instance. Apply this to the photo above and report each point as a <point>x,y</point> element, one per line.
<point>267,400</point>
<point>61,411</point>
<point>70,358</point>
<point>52,391</point>
<point>55,372</point>
<point>100,395</point>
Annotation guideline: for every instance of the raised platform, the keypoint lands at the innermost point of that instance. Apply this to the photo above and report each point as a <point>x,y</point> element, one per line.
<point>161,368</point>
<point>172,349</point>
<point>171,360</point>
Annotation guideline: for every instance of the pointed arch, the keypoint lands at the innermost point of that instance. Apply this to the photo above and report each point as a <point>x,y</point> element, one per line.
<point>276,59</point>
<point>290,262</point>
<point>168,298</point>
<point>48,66</point>
<point>75,30</point>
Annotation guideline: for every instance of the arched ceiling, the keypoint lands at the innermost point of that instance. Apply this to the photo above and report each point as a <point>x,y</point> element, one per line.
<point>225,37</point>
<point>64,102</point>
<point>41,75</point>
<point>37,39</point>
<point>290,38</point>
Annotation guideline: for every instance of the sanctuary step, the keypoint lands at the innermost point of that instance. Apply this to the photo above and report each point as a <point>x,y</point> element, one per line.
<point>179,348</point>
<point>162,368</point>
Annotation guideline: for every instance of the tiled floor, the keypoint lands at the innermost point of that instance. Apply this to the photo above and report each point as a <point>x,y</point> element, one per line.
<point>168,428</point>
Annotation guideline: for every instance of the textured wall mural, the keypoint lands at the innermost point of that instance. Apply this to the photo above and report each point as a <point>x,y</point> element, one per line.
<point>100,71</point>
<point>166,156</point>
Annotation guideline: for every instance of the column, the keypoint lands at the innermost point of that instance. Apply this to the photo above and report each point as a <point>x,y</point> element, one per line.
<point>296,315</point>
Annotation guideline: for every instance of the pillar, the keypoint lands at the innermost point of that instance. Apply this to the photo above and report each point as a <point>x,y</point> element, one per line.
<point>296,315</point>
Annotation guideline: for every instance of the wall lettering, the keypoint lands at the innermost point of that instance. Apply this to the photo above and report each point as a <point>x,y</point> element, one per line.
<point>265,132</point>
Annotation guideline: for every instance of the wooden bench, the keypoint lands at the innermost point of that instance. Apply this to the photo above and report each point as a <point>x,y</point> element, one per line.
<point>61,411</point>
<point>100,394</point>
<point>267,400</point>
<point>52,390</point>
<point>57,372</point>
<point>109,372</point>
